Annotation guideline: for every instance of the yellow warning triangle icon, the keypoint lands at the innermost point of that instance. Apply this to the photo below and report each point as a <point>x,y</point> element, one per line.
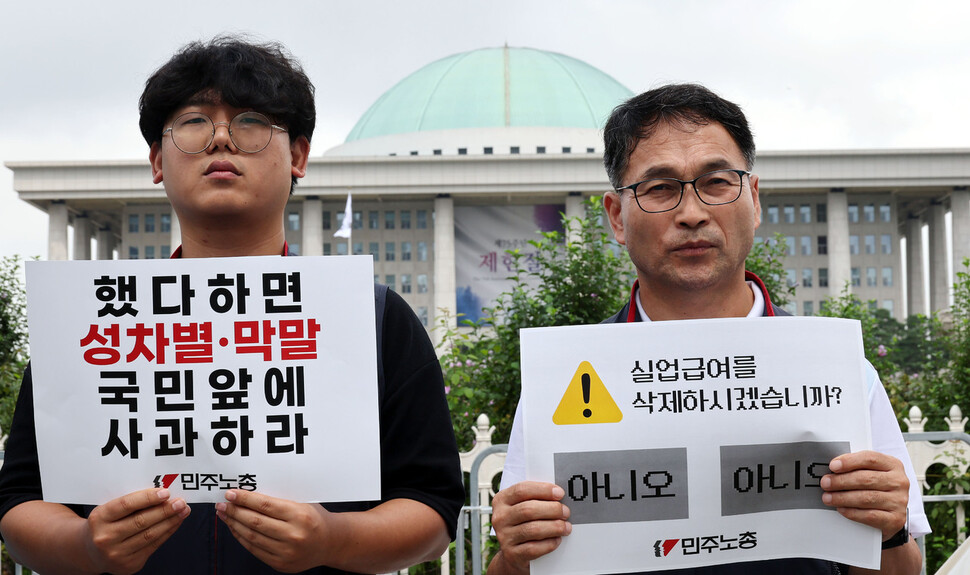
<point>586,400</point>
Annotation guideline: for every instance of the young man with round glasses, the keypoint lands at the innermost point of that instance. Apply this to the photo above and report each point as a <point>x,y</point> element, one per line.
<point>686,207</point>
<point>229,125</point>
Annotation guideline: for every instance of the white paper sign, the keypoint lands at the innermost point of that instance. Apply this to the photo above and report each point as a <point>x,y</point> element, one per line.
<point>202,375</point>
<point>689,443</point>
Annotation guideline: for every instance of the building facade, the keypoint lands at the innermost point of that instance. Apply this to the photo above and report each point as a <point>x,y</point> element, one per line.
<point>521,127</point>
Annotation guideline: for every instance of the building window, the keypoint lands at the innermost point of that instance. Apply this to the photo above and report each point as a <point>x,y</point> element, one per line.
<point>823,277</point>
<point>853,245</point>
<point>772,214</point>
<point>436,152</point>
<point>388,220</point>
<point>790,242</point>
<point>869,213</point>
<point>886,243</point>
<point>823,245</point>
<point>808,307</point>
<point>856,277</point>
<point>293,221</point>
<point>514,150</point>
<point>422,251</point>
<point>405,283</point>
<point>342,248</point>
<point>389,251</point>
<point>149,223</point>
<point>327,249</point>
<point>821,213</point>
<point>590,150</point>
<point>389,280</point>
<point>540,149</point>
<point>423,315</point>
<point>166,251</point>
<point>373,220</point>
<point>374,249</point>
<point>870,243</point>
<point>789,213</point>
<point>871,277</point>
<point>885,213</point>
<point>132,225</point>
<point>887,304</point>
<point>488,150</point>
<point>872,305</point>
<point>294,249</point>
<point>422,217</point>
<point>358,248</point>
<point>791,278</point>
<point>462,151</point>
<point>806,277</point>
<point>806,245</point>
<point>405,251</point>
<point>422,283</point>
<point>567,150</point>
<point>358,219</point>
<point>326,220</point>
<point>853,213</point>
<point>165,223</point>
<point>133,252</point>
<point>149,252</point>
<point>805,213</point>
<point>406,220</point>
<point>887,277</point>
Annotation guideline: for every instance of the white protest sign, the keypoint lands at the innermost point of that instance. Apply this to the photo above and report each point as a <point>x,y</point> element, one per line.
<point>202,375</point>
<point>689,443</point>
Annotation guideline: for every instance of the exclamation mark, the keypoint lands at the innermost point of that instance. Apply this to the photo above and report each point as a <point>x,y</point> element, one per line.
<point>586,412</point>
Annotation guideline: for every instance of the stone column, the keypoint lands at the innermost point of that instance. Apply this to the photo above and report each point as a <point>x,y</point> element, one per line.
<point>444,260</point>
<point>915,299</point>
<point>106,244</point>
<point>574,209</point>
<point>57,230</point>
<point>312,226</point>
<point>960,226</point>
<point>840,263</point>
<point>82,237</point>
<point>939,277</point>
<point>175,233</point>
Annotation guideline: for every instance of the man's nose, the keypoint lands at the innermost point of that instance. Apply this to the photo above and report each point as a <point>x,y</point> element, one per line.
<point>691,212</point>
<point>221,135</point>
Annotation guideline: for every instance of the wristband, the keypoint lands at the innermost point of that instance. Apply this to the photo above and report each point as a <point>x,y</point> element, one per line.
<point>900,538</point>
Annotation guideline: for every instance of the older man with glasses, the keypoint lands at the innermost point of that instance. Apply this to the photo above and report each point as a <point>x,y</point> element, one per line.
<point>685,204</point>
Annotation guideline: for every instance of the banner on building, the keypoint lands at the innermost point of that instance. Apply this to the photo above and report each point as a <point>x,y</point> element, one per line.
<point>483,234</point>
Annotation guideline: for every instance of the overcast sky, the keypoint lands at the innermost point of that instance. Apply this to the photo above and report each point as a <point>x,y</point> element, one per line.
<point>809,74</point>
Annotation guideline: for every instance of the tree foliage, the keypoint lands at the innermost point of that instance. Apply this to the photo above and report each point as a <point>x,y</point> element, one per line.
<point>13,337</point>
<point>767,261</point>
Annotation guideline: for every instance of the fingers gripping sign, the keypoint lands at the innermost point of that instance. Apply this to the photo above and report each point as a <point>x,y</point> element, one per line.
<point>124,532</point>
<point>870,488</point>
<point>530,521</point>
<point>286,535</point>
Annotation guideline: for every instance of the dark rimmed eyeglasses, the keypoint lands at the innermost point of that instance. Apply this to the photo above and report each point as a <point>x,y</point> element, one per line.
<point>715,188</point>
<point>250,132</point>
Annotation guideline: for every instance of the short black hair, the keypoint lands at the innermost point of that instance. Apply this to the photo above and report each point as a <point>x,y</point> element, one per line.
<point>242,74</point>
<point>636,118</point>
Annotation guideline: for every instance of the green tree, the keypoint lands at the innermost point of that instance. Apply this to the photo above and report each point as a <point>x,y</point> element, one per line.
<point>767,261</point>
<point>13,337</point>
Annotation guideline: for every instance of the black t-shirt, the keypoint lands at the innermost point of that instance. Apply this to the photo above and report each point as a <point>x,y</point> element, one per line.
<point>419,456</point>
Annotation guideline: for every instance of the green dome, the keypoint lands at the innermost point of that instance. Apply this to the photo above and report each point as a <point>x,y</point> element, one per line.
<point>495,87</point>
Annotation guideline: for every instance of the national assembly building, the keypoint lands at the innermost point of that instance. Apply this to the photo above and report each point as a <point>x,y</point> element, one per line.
<point>475,153</point>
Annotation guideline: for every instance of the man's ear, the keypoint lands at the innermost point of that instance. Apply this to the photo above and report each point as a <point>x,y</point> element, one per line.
<point>756,200</point>
<point>300,154</point>
<point>612,203</point>
<point>155,157</point>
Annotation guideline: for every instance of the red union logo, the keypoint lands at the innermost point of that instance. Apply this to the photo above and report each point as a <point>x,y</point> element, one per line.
<point>165,480</point>
<point>664,546</point>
